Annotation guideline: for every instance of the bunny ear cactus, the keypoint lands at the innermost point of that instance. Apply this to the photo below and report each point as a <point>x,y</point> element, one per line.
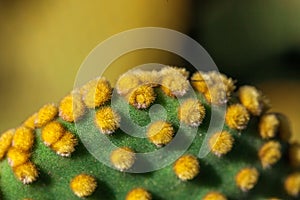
<point>249,158</point>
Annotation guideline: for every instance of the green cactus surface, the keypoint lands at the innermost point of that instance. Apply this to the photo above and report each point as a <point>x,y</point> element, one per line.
<point>217,173</point>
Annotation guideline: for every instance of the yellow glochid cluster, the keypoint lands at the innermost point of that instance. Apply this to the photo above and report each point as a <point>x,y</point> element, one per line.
<point>268,125</point>
<point>138,194</point>
<point>160,133</point>
<point>191,112</point>
<point>96,92</point>
<point>216,87</point>
<point>187,167</point>
<point>71,107</point>
<point>269,153</point>
<point>292,184</point>
<point>141,97</point>
<point>59,139</point>
<point>253,100</point>
<point>83,185</point>
<point>5,142</point>
<point>30,121</point>
<point>46,114</point>
<point>214,196</point>
<point>237,117</point>
<point>221,143</point>
<point>19,154</point>
<point>122,158</point>
<point>247,178</point>
<point>107,120</point>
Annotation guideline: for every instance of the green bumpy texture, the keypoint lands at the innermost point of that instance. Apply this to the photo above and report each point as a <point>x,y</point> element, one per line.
<point>216,173</point>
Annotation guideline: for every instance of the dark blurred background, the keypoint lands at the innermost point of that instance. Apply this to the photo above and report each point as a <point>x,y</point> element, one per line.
<point>44,42</point>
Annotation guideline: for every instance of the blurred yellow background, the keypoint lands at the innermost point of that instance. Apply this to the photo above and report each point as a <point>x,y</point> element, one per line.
<point>43,44</point>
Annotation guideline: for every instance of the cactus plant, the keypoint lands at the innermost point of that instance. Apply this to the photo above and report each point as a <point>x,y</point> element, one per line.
<point>249,158</point>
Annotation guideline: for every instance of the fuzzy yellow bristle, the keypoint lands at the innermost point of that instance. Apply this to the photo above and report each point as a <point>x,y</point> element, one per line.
<point>174,84</point>
<point>46,114</point>
<point>23,138</point>
<point>122,158</point>
<point>98,93</point>
<point>199,83</point>
<point>83,185</point>
<point>294,154</point>
<point>174,70</point>
<point>160,133</point>
<point>221,143</point>
<point>52,132</point>
<point>292,184</point>
<point>268,125</point>
<point>26,173</point>
<point>127,82</point>
<point>269,153</point>
<point>150,78</point>
<point>65,145</point>
<point>107,120</point>
<point>253,100</point>
<point>141,97</point>
<point>186,167</point>
<point>246,178</point>
<point>237,117</point>
<point>17,157</point>
<point>214,196</point>
<point>191,112</point>
<point>71,107</point>
<point>30,121</point>
<point>5,142</point>
<point>138,194</point>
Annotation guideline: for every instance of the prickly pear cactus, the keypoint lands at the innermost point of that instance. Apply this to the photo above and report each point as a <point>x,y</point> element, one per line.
<point>96,142</point>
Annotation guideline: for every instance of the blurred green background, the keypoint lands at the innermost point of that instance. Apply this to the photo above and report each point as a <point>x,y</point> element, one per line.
<point>44,42</point>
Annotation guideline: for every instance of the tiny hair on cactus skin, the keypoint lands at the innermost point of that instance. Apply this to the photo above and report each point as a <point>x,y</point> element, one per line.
<point>17,157</point>
<point>5,142</point>
<point>71,107</point>
<point>292,184</point>
<point>253,100</point>
<point>191,112</point>
<point>268,125</point>
<point>65,146</point>
<point>174,84</point>
<point>221,143</point>
<point>107,120</point>
<point>269,153</point>
<point>141,97</point>
<point>98,93</point>
<point>46,114</point>
<point>122,158</point>
<point>30,121</point>
<point>83,185</point>
<point>23,138</point>
<point>52,132</point>
<point>237,117</point>
<point>126,83</point>
<point>247,178</point>
<point>294,154</point>
<point>160,133</point>
<point>26,173</point>
<point>187,167</point>
<point>214,196</point>
<point>138,194</point>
